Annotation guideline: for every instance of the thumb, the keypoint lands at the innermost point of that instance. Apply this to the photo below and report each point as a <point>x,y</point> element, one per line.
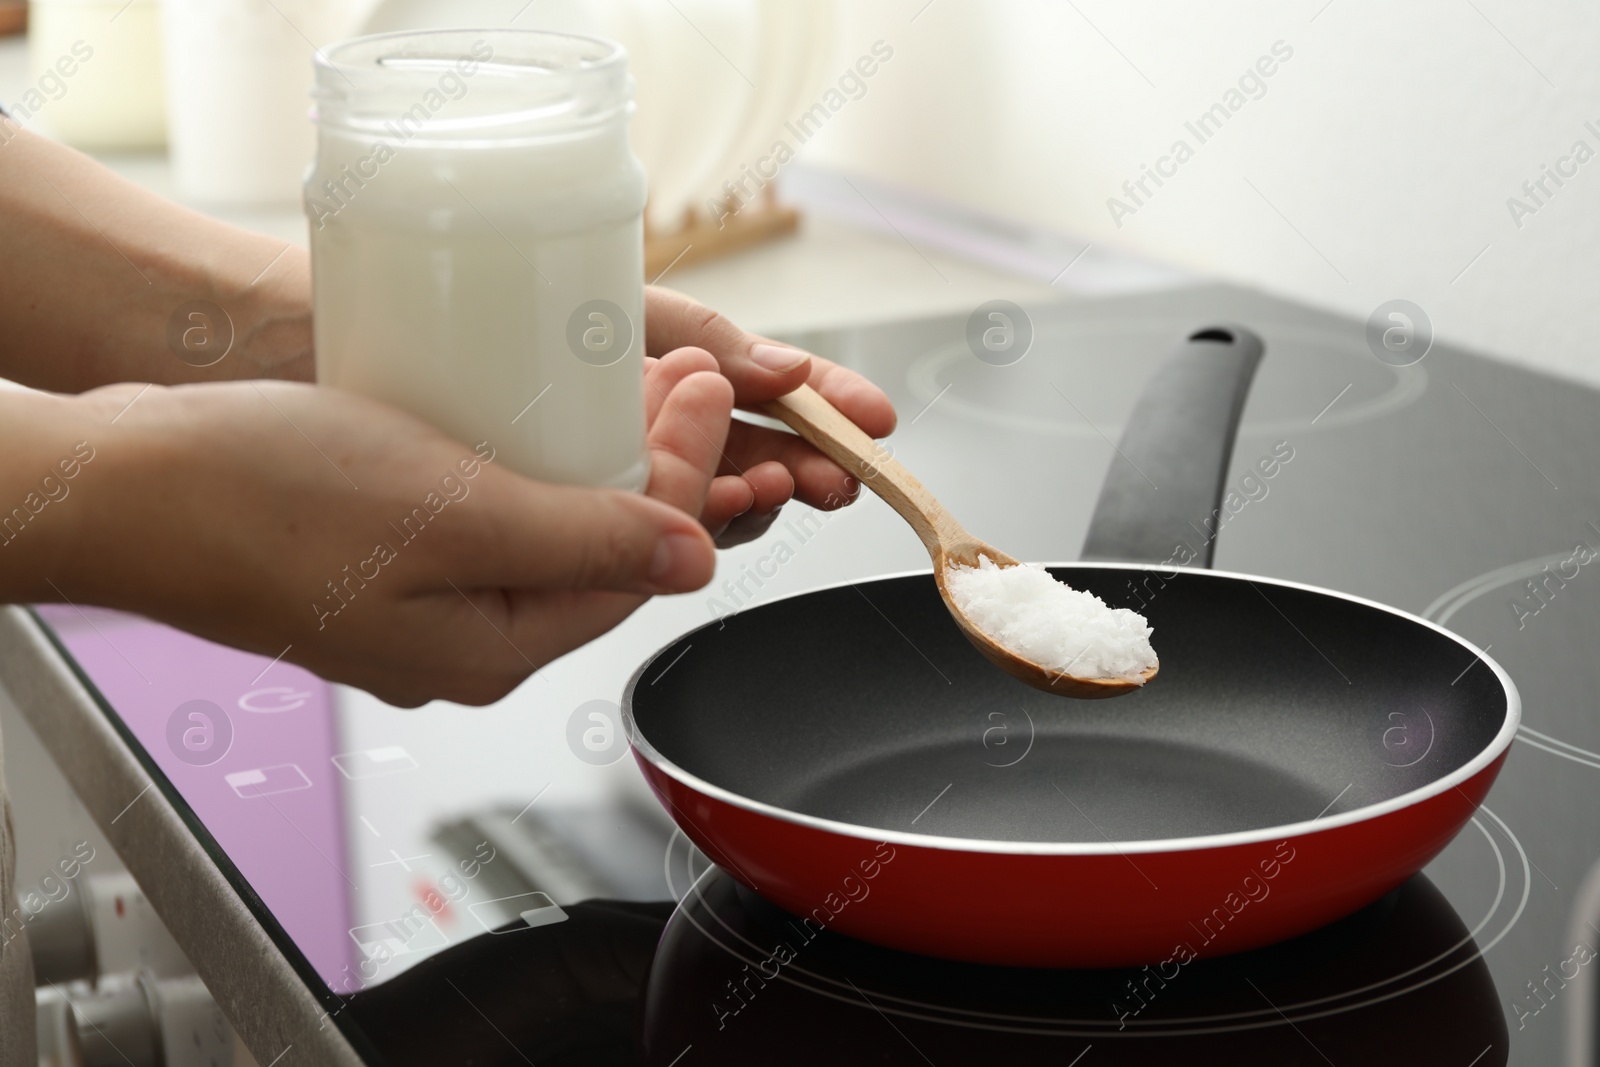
<point>561,537</point>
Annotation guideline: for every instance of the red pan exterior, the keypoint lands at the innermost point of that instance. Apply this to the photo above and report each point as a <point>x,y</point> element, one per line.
<point>1069,910</point>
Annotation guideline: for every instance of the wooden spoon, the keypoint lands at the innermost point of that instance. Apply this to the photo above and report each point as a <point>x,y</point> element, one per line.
<point>819,422</point>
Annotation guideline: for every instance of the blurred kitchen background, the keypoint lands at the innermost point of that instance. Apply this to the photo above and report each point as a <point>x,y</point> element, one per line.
<point>1378,160</point>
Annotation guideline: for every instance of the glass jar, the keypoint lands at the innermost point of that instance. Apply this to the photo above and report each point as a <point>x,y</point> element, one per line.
<point>477,243</point>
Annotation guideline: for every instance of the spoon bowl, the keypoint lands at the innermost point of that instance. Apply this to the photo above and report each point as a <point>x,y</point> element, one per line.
<point>948,543</point>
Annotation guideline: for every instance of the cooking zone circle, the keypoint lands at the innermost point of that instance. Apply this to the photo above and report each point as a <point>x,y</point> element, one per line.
<point>1544,581</point>
<point>1074,361</point>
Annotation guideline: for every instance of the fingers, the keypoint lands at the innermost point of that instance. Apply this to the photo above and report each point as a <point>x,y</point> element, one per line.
<point>532,535</point>
<point>746,528</point>
<point>857,398</point>
<point>751,487</point>
<point>729,498</point>
<point>816,479</point>
<point>772,488</point>
<point>687,437</point>
<point>662,375</point>
<point>740,504</point>
<point>758,368</point>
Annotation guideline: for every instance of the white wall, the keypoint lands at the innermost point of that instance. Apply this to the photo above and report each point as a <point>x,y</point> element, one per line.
<point>1391,141</point>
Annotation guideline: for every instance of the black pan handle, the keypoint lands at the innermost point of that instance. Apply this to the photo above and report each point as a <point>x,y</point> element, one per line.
<point>1163,493</point>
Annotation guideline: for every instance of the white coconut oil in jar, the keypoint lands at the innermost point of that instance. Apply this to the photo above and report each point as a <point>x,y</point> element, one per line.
<point>477,243</point>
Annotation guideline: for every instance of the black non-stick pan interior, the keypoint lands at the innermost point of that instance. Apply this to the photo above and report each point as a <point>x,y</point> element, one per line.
<point>864,704</point>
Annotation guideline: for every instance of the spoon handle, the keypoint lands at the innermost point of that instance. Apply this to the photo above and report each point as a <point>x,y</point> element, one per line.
<point>808,414</point>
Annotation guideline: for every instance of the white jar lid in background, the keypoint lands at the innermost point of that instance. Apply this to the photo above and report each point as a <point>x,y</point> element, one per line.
<point>95,74</point>
<point>239,76</point>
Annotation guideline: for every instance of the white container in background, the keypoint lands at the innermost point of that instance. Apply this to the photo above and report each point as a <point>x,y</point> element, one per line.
<point>477,243</point>
<point>95,77</point>
<point>238,74</point>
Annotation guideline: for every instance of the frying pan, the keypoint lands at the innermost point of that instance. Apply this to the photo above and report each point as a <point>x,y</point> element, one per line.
<point>847,755</point>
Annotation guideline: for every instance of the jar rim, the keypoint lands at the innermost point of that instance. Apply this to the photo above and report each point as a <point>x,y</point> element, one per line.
<point>472,82</point>
<point>606,54</point>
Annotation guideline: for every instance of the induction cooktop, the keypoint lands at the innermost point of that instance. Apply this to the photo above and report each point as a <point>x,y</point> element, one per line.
<point>496,886</point>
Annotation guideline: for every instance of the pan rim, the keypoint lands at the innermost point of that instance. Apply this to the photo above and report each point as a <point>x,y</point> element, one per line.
<point>1497,747</point>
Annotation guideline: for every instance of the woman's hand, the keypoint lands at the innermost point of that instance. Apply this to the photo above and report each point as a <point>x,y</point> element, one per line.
<point>761,469</point>
<point>271,515</point>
